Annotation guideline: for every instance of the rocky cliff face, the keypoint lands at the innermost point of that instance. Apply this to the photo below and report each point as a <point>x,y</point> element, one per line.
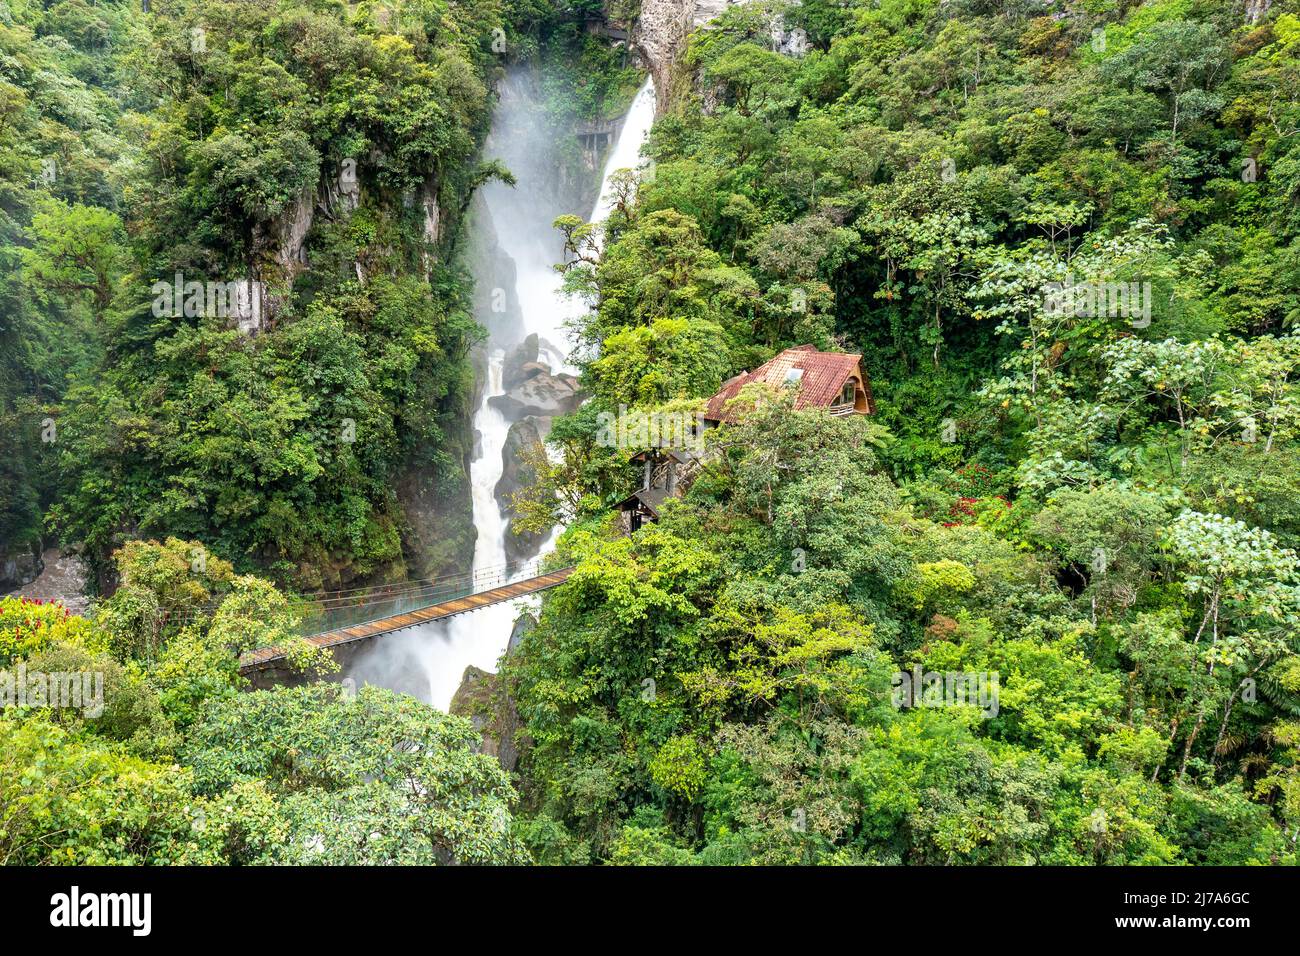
<point>1256,9</point>
<point>438,535</point>
<point>496,297</point>
<point>528,433</point>
<point>660,35</point>
<point>483,699</point>
<point>19,567</point>
<point>533,397</point>
<point>281,246</point>
<point>661,32</point>
<point>52,576</point>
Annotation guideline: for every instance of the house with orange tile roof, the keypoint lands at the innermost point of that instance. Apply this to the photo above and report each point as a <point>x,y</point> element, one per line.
<point>830,380</point>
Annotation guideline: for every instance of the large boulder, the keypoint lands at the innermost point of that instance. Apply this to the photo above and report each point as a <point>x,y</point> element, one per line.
<point>522,356</point>
<point>524,434</point>
<point>544,395</point>
<point>482,698</point>
<point>529,370</point>
<point>523,624</point>
<point>19,567</point>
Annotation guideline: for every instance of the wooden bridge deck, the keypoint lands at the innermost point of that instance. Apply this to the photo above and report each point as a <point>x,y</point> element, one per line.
<point>266,656</point>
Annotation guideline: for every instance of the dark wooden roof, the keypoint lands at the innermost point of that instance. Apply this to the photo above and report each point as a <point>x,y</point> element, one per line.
<point>819,376</point>
<point>650,498</point>
<point>683,456</point>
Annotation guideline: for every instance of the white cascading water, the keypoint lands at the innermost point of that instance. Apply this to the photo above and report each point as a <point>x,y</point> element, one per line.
<point>444,650</point>
<point>627,151</point>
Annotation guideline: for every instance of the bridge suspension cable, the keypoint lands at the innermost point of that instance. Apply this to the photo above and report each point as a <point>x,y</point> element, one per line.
<point>330,607</point>
<point>489,571</point>
<point>475,579</point>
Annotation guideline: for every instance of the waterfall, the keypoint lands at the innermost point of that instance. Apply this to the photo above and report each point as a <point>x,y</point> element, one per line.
<point>626,153</point>
<point>429,661</point>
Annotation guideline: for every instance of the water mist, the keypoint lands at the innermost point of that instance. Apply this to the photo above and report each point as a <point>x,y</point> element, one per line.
<point>429,661</point>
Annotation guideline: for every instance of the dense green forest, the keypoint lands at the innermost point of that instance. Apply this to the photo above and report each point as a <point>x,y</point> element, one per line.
<point>233,324</point>
<point>230,142</point>
<point>1100,506</point>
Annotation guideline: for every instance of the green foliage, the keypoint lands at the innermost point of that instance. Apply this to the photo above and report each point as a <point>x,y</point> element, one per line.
<point>170,144</point>
<point>375,777</point>
<point>678,767</point>
<point>1091,506</point>
<point>132,713</point>
<point>163,588</point>
<point>937,579</point>
<point>1093,509</point>
<point>81,801</point>
<point>27,627</point>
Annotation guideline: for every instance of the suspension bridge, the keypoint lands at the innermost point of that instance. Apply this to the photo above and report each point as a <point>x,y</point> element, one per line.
<point>335,618</point>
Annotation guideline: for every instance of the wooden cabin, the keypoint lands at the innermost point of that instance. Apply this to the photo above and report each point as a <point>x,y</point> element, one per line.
<point>830,380</point>
<point>666,472</point>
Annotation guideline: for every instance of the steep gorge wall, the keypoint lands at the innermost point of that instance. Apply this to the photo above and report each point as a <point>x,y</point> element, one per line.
<point>661,32</point>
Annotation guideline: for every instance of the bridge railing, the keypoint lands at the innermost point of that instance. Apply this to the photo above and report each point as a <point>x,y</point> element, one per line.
<point>332,610</point>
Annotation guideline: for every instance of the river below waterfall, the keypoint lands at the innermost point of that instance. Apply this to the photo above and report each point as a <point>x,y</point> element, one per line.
<point>429,661</point>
